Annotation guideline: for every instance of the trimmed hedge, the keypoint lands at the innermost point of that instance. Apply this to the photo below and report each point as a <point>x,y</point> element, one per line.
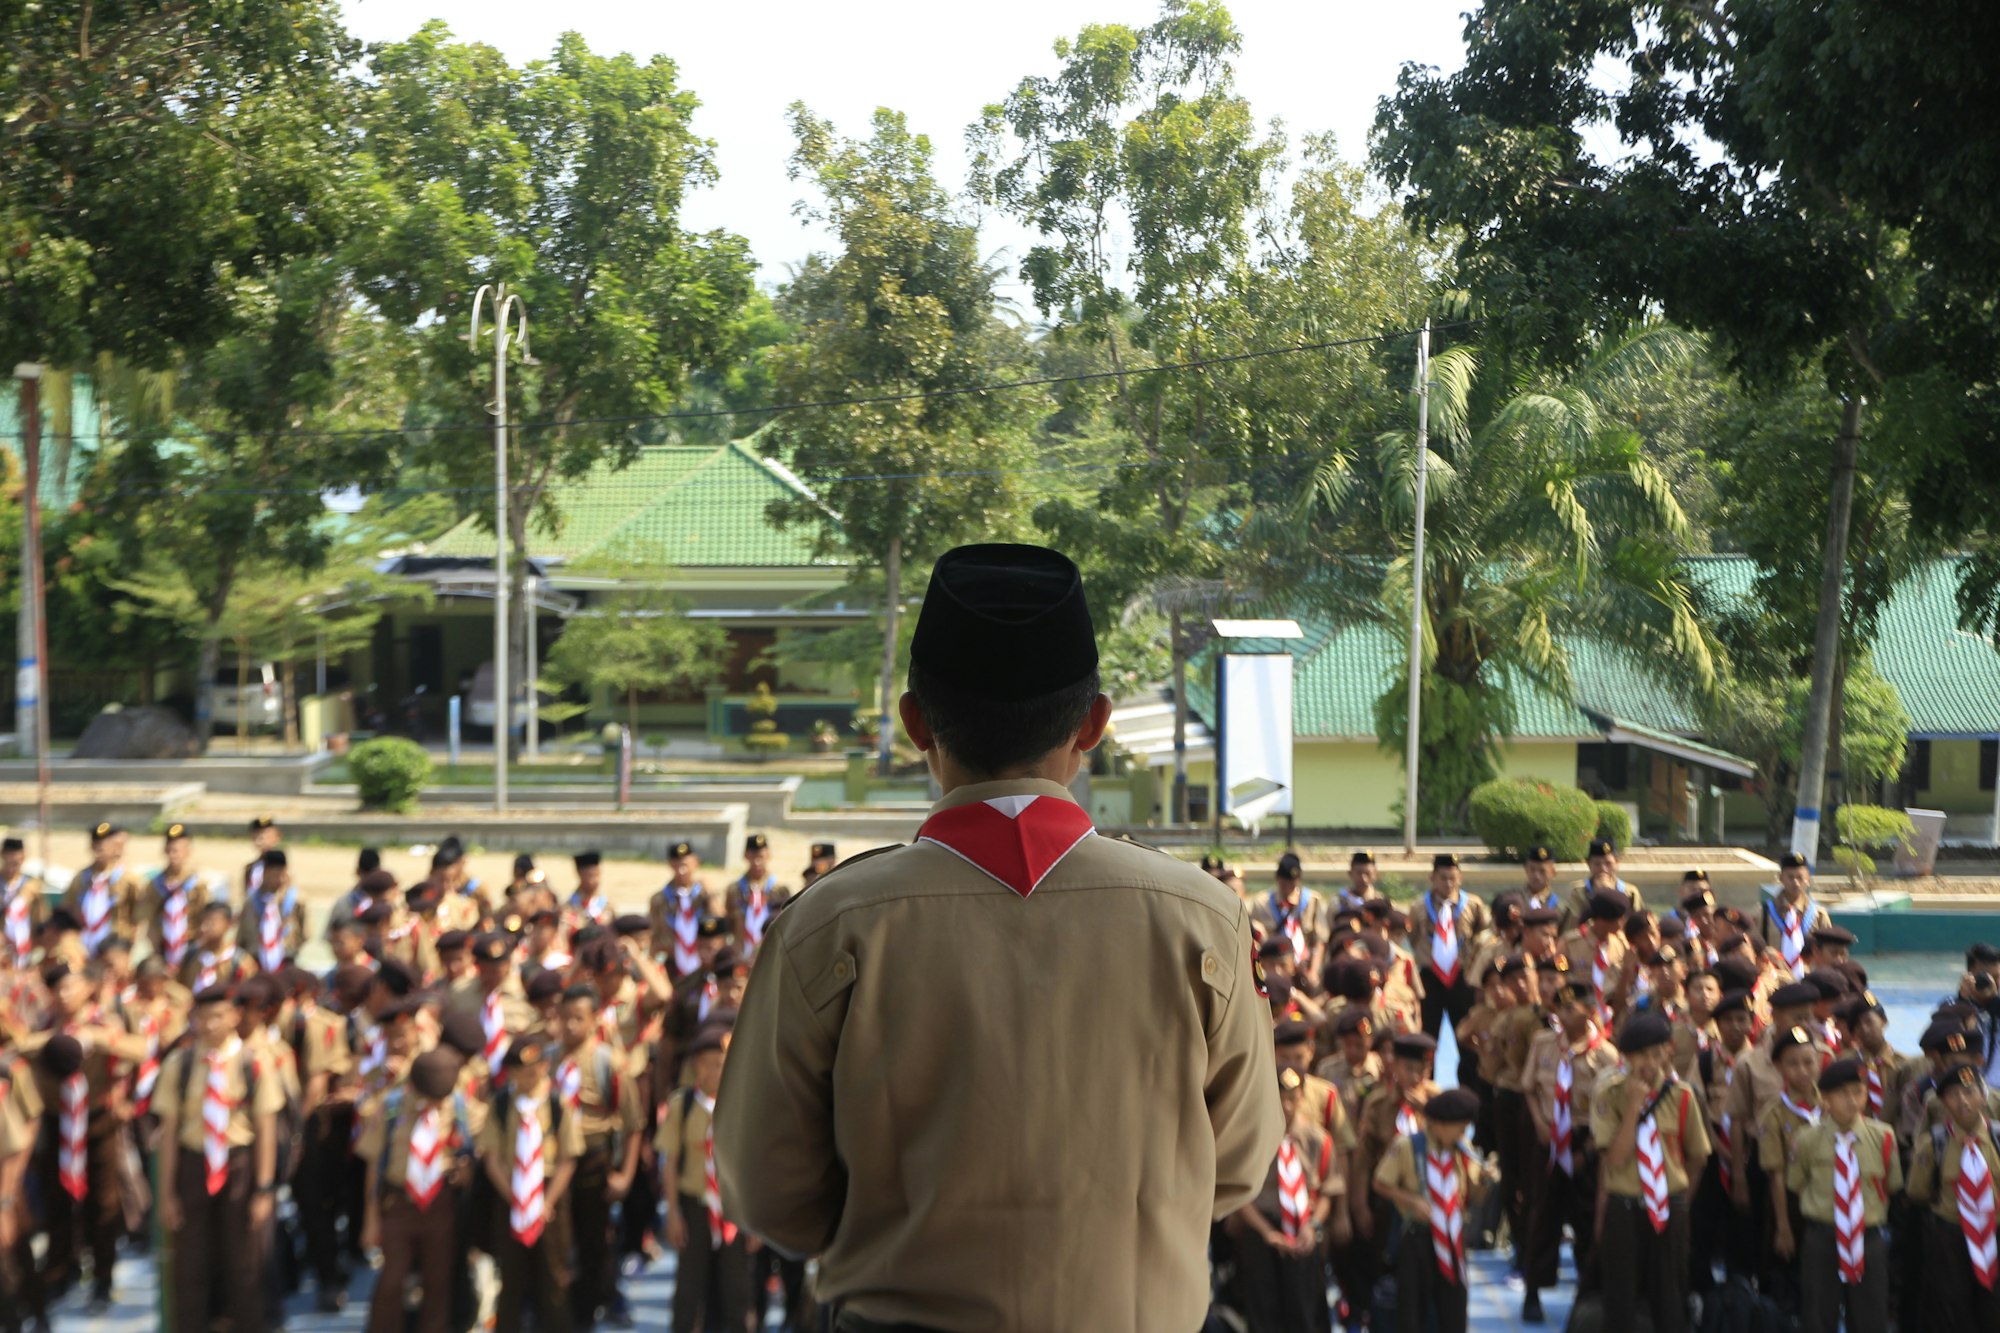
<point>1511,815</point>
<point>1614,824</point>
<point>390,772</point>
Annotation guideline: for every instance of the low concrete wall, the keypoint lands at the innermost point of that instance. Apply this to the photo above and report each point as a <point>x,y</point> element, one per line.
<point>1898,927</point>
<point>716,831</point>
<point>244,777</point>
<point>769,803</point>
<point>133,806</point>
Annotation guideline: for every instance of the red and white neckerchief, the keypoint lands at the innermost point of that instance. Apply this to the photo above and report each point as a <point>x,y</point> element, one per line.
<point>1847,1215</point>
<point>423,1173</point>
<point>1290,920</point>
<point>1017,840</point>
<point>687,928</point>
<point>494,1024</point>
<point>1407,1120</point>
<point>216,1107</point>
<point>526,1213</point>
<point>374,1052</point>
<point>1444,939</point>
<point>1723,1130</point>
<point>1600,971</point>
<point>756,909</point>
<point>97,905</point>
<point>1792,930</point>
<point>1294,1199</point>
<point>710,990</point>
<point>73,1151</point>
<point>569,1082</point>
<point>555,960</point>
<point>721,1231</point>
<point>596,908</point>
<point>271,934</point>
<point>1871,1074</point>
<point>1652,1162</point>
<point>1831,1031</point>
<point>607,1022</point>
<point>1809,1114</point>
<point>212,964</point>
<point>20,924</point>
<point>1447,1213</point>
<point>1561,1127</point>
<point>174,919</point>
<point>149,1067</point>
<point>1976,1212</point>
<point>253,879</point>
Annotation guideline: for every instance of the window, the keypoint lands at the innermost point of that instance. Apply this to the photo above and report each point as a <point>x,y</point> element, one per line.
<point>1917,767</point>
<point>1989,761</point>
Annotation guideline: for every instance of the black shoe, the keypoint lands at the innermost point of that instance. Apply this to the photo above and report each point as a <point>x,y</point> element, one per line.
<point>1531,1309</point>
<point>332,1300</point>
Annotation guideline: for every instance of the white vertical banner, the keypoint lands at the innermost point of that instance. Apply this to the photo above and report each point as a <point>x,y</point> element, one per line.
<point>1257,735</point>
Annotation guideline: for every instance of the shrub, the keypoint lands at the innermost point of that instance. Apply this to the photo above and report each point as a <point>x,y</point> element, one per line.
<point>391,773</point>
<point>1513,814</point>
<point>1614,824</point>
<point>1863,828</point>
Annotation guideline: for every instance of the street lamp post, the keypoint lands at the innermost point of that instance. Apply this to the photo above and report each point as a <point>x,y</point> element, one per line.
<point>1410,747</point>
<point>509,325</point>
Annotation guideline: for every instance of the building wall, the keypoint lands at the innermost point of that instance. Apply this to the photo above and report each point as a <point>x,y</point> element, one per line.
<point>1954,786</point>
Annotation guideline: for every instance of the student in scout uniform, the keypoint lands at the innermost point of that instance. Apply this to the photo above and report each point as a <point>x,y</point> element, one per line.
<point>594,1087</point>
<point>1559,1084</point>
<point>1281,1279</point>
<point>1538,879</point>
<point>104,897</point>
<point>1754,1087</point>
<point>1795,1109</point>
<point>218,1166</point>
<point>1354,1070</point>
<point>588,904</point>
<point>1718,1223</point>
<point>20,1125</point>
<point>1596,948</point>
<point>1445,929</point>
<point>1521,1018</point>
<point>1394,1110</point>
<point>530,1146</point>
<point>1297,913</point>
<point>419,1159</point>
<point>1319,1100</point>
<point>1842,1171</point>
<point>715,1252</point>
<point>677,910</point>
<point>323,1039</point>
<point>1602,879</point>
<point>496,1001</point>
<point>23,908</point>
<point>1697,915</point>
<point>1080,1104</point>
<point>1956,1171</point>
<point>265,835</point>
<point>755,895</point>
<point>272,927</point>
<point>174,899</point>
<point>214,959</point>
<point>1434,1181</point>
<point>1790,918</point>
<point>1361,871</point>
<point>821,861</point>
<point>1651,1142</point>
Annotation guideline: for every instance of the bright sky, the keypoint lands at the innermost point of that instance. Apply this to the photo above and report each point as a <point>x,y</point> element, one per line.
<point>1316,67</point>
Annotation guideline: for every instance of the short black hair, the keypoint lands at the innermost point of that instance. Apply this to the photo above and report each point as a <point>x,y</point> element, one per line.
<point>582,990</point>
<point>989,736</point>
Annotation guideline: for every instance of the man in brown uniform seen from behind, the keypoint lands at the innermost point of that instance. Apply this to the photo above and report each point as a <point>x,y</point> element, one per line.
<point>927,1088</point>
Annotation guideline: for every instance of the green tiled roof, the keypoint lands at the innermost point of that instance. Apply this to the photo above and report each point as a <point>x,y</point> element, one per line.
<point>1949,680</point>
<point>686,506</point>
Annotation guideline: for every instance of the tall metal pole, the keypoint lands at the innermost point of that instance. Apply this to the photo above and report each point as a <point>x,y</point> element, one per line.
<point>1417,594</point>
<point>33,681</point>
<point>531,645</point>
<point>26,678</point>
<point>509,313</point>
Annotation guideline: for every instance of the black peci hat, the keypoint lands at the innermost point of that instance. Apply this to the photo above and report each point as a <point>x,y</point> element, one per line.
<point>985,604</point>
<point>1453,1106</point>
<point>1642,1032</point>
<point>1839,1074</point>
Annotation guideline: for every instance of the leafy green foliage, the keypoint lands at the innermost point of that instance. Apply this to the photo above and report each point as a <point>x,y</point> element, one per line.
<point>1864,829</point>
<point>390,772</point>
<point>1614,824</point>
<point>1511,815</point>
<point>637,641</point>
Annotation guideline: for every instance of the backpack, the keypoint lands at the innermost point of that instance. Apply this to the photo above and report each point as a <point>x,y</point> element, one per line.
<point>1738,1307</point>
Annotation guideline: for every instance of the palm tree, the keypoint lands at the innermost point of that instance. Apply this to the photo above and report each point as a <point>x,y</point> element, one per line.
<point>1545,522</point>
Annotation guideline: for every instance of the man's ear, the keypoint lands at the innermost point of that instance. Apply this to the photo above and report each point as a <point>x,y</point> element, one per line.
<point>914,726</point>
<point>1095,724</point>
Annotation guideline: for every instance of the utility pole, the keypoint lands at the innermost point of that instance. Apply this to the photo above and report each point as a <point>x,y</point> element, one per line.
<point>531,645</point>
<point>1417,594</point>
<point>31,712</point>
<point>510,325</point>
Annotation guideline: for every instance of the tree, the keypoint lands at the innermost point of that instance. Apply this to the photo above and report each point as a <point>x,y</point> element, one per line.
<point>1705,212</point>
<point>904,310</point>
<point>563,179</point>
<point>1545,524</point>
<point>637,641</point>
<point>1139,149</point>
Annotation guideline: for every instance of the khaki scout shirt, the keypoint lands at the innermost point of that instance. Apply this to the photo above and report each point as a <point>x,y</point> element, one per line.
<point>1778,1127</point>
<point>1321,1105</point>
<point>1580,948</point>
<point>193,889</point>
<point>1756,1083</point>
<point>682,1138</point>
<point>1060,1172</point>
<point>20,1106</point>
<point>562,1138</point>
<point>412,941</point>
<point>1399,1171</point>
<point>602,1110</point>
<point>324,1042</point>
<point>1934,1178</point>
<point>1683,1133</point>
<point>1319,1156</point>
<point>125,892</point>
<point>1810,1175</point>
<point>1895,1069</point>
<point>1473,921</point>
<point>250,924</point>
<point>1315,918</point>
<point>1378,1130</point>
<point>1353,1083</point>
<point>386,1137</point>
<point>180,1115</point>
<point>1399,992</point>
<point>103,1068</point>
<point>1477,1035</point>
<point>1575,906</point>
<point>664,905</point>
<point>1592,1061</point>
<point>1773,934</point>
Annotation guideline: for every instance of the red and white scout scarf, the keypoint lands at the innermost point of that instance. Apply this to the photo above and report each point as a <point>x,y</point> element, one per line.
<point>1809,1114</point>
<point>756,909</point>
<point>1290,919</point>
<point>494,1024</point>
<point>1017,840</point>
<point>174,919</point>
<point>1294,1199</point>
<point>72,1149</point>
<point>1444,939</point>
<point>687,928</point>
<point>20,925</point>
<point>1976,1213</point>
<point>1407,1120</point>
<point>1653,1174</point>
<point>97,904</point>
<point>1847,1214</point>
<point>423,1174</point>
<point>271,934</point>
<point>1722,1158</point>
<point>1562,1130</point>
<point>594,908</point>
<point>211,967</point>
<point>721,1231</point>
<point>1791,924</point>
<point>526,1214</point>
<point>216,1107</point>
<point>1872,1075</point>
<point>149,1067</point>
<point>1600,970</point>
<point>569,1082</point>
<point>710,992</point>
<point>1447,1213</point>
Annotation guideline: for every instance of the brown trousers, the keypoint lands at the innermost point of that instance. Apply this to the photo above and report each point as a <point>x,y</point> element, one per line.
<point>215,1251</point>
<point>535,1278</point>
<point>1639,1263</point>
<point>423,1241</point>
<point>1561,1198</point>
<point>711,1282</point>
<point>1953,1298</point>
<point>1823,1296</point>
<point>96,1222</point>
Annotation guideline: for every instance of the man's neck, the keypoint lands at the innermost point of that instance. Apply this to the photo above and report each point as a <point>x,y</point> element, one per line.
<point>1808,1098</point>
<point>1849,1125</point>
